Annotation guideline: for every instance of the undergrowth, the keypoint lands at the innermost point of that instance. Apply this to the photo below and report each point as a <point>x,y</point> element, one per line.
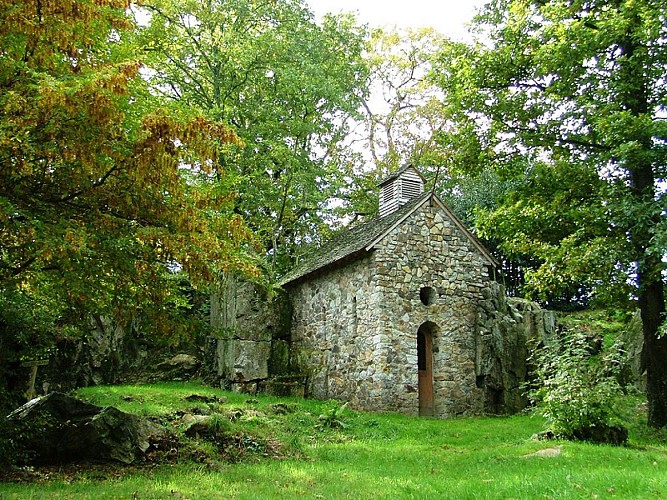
<point>265,447</point>
<point>577,389</point>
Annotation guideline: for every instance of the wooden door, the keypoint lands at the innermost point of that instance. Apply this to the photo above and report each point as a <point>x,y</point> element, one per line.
<point>425,370</point>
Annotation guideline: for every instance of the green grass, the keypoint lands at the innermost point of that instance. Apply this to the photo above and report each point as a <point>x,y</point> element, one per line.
<point>374,456</point>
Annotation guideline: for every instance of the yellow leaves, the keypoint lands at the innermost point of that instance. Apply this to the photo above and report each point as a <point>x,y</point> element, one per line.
<point>14,103</point>
<point>74,241</point>
<point>171,141</point>
<point>58,35</point>
<point>199,131</point>
<point>141,266</point>
<point>98,182</point>
<point>129,69</point>
<point>47,254</point>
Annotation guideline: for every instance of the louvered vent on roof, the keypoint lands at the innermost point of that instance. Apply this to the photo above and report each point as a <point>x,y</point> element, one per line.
<point>411,188</point>
<point>400,188</point>
<point>388,199</point>
<point>387,193</point>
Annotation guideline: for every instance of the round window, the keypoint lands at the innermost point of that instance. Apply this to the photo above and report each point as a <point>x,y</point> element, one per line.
<point>428,295</point>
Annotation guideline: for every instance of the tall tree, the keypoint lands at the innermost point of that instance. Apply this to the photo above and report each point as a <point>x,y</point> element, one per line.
<point>580,86</point>
<point>94,203</point>
<point>284,83</point>
<point>402,117</point>
<point>405,109</point>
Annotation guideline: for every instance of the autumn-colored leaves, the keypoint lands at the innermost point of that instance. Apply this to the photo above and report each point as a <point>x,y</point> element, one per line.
<point>102,185</point>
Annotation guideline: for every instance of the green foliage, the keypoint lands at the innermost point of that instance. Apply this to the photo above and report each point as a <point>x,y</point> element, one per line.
<point>96,207</point>
<point>12,454</point>
<point>401,127</point>
<point>575,391</point>
<point>577,91</point>
<point>569,95</point>
<point>607,323</point>
<point>333,417</point>
<point>554,221</point>
<point>402,119</point>
<point>15,433</point>
<point>662,331</point>
<point>284,83</point>
<point>32,323</point>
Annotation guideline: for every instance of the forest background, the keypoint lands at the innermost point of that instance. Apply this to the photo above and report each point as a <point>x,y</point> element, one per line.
<point>150,148</point>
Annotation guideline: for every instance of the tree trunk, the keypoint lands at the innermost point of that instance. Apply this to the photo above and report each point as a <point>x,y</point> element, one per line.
<point>634,97</point>
<point>651,301</point>
<point>652,307</point>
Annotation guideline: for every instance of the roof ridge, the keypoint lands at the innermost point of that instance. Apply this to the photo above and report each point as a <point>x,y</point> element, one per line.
<point>363,237</point>
<point>394,175</point>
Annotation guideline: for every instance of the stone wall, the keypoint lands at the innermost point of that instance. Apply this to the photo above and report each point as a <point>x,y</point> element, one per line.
<point>334,334</point>
<point>429,250</point>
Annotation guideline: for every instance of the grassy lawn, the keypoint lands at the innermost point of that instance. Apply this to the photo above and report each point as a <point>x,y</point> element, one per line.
<point>282,450</point>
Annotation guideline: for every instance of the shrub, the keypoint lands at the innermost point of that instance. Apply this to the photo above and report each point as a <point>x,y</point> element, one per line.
<point>13,436</point>
<point>333,417</point>
<point>579,393</point>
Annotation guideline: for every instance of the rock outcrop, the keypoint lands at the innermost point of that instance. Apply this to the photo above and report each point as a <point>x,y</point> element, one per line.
<point>506,328</point>
<point>252,338</point>
<point>633,343</point>
<point>179,367</point>
<point>58,429</point>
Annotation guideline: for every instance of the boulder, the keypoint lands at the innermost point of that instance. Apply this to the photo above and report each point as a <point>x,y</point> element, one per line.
<point>58,428</point>
<point>179,367</point>
<point>203,398</point>
<point>196,425</point>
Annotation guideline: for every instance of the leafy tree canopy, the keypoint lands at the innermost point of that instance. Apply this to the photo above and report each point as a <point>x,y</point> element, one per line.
<point>95,203</point>
<point>573,93</point>
<point>284,83</point>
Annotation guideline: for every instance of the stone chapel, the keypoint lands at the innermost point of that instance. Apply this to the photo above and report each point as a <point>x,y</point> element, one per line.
<point>401,313</point>
<point>386,313</point>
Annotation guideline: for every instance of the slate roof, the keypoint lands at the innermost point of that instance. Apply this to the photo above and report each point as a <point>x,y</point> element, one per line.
<point>351,241</point>
<point>363,237</point>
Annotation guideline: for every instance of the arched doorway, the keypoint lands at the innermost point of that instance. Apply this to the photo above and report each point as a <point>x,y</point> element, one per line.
<point>425,367</point>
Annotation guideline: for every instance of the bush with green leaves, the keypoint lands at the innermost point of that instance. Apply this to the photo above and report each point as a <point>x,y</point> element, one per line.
<point>579,393</point>
<point>333,417</point>
<point>14,434</point>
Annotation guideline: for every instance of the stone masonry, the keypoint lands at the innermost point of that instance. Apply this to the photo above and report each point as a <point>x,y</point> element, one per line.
<point>355,326</point>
